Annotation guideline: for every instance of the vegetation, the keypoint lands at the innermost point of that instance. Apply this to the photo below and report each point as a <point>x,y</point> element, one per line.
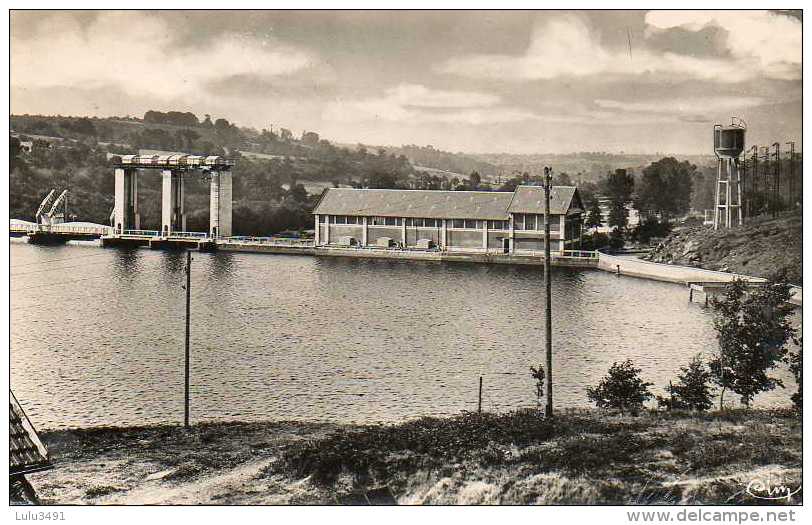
<point>665,188</point>
<point>593,216</point>
<point>621,388</point>
<point>538,375</point>
<point>752,328</point>
<point>649,228</point>
<point>796,366</point>
<point>693,390</point>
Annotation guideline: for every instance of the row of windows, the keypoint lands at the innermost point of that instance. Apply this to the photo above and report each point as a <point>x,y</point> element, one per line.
<point>527,221</point>
<point>520,222</point>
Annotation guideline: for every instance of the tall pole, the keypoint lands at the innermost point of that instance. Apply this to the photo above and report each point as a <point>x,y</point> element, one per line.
<point>548,329</point>
<point>791,174</point>
<point>186,363</point>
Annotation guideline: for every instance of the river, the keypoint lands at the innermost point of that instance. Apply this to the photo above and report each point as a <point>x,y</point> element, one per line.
<point>97,336</point>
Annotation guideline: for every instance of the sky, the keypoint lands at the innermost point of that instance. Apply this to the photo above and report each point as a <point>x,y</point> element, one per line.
<point>471,81</point>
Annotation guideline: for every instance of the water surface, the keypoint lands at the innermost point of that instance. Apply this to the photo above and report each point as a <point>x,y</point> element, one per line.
<point>97,336</point>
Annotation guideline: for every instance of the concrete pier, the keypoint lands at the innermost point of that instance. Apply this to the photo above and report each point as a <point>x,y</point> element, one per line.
<point>173,216</point>
<point>220,204</point>
<point>126,208</point>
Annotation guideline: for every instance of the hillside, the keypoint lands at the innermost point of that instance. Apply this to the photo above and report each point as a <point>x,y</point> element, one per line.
<point>582,457</point>
<point>759,248</point>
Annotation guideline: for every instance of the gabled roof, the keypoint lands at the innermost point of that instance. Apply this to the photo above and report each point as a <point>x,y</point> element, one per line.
<point>530,199</point>
<point>491,205</point>
<point>25,449</point>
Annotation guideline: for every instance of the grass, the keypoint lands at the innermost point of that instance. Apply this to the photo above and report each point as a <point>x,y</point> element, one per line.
<point>654,457</point>
<point>579,457</point>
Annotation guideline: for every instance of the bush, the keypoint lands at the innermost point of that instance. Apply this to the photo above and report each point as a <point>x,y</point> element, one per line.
<point>753,327</point>
<point>693,391</point>
<point>796,366</point>
<point>622,388</point>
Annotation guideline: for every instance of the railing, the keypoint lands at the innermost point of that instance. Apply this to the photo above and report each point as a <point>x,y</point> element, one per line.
<point>58,228</point>
<point>195,235</point>
<point>268,241</point>
<point>142,233</point>
<point>581,254</point>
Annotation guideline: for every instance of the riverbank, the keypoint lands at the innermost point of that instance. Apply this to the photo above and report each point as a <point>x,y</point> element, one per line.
<point>760,248</point>
<point>583,456</point>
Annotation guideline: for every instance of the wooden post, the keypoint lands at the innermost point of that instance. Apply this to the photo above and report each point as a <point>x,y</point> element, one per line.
<point>548,332</point>
<point>188,311</point>
<point>690,294</point>
<point>479,406</point>
<point>618,270</point>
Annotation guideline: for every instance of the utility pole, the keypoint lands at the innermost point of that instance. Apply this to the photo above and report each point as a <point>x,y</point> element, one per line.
<point>548,329</point>
<point>188,311</point>
<point>777,180</point>
<point>791,174</point>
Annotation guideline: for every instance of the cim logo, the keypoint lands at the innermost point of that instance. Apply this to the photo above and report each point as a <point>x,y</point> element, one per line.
<point>766,488</point>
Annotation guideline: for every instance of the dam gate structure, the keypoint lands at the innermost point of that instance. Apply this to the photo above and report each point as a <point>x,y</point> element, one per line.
<point>175,169</point>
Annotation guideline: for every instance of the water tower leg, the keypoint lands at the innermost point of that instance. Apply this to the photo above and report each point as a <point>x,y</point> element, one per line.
<point>716,201</point>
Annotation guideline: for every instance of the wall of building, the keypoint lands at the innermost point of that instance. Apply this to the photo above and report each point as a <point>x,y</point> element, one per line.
<point>375,232</point>
<point>345,230</point>
<point>469,239</point>
<point>495,240</point>
<point>414,234</point>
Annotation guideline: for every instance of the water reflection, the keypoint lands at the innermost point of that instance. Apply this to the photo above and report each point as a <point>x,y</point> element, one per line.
<point>288,337</point>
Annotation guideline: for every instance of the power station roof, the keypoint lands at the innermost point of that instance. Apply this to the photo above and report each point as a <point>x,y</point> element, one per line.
<point>26,451</point>
<point>530,199</point>
<point>487,205</point>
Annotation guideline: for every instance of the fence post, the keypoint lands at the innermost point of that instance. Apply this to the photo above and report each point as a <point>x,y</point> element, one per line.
<point>479,405</point>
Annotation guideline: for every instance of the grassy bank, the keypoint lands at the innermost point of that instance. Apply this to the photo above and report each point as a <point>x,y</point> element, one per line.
<point>760,248</point>
<point>579,457</point>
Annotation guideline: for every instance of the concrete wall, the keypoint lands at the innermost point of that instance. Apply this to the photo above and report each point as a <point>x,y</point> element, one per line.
<point>495,239</point>
<point>469,239</point>
<point>665,272</point>
<point>413,234</point>
<point>374,232</point>
<point>343,230</point>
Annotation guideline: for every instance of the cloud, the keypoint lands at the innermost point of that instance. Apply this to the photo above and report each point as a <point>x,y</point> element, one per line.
<point>766,41</point>
<point>137,53</point>
<point>566,46</point>
<point>688,105</point>
<point>418,103</point>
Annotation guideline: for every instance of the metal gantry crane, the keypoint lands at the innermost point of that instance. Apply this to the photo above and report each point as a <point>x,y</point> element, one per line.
<point>51,216</point>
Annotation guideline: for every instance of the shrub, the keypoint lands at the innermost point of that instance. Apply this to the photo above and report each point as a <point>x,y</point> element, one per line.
<point>693,390</point>
<point>622,388</point>
<point>538,375</point>
<point>752,327</point>
<point>796,366</point>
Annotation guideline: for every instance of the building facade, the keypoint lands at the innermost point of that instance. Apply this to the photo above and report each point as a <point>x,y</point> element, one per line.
<point>474,221</point>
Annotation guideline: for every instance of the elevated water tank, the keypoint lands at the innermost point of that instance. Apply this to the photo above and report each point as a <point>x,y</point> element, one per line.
<point>728,141</point>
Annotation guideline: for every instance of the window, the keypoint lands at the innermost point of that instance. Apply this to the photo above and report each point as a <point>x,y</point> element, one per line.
<point>431,223</point>
<point>472,224</point>
<point>497,225</point>
<point>393,221</point>
<point>339,219</point>
<point>458,224</point>
<point>530,222</point>
<point>378,221</point>
<point>321,219</point>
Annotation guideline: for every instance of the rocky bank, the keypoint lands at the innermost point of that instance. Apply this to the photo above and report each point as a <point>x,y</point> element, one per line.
<point>759,248</point>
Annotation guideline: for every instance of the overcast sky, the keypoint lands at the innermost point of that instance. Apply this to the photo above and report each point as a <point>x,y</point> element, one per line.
<point>517,81</point>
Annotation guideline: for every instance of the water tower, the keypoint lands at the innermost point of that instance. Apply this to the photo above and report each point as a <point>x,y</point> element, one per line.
<point>728,144</point>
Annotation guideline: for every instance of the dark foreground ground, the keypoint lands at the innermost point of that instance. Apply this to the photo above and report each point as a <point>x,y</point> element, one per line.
<point>581,457</point>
